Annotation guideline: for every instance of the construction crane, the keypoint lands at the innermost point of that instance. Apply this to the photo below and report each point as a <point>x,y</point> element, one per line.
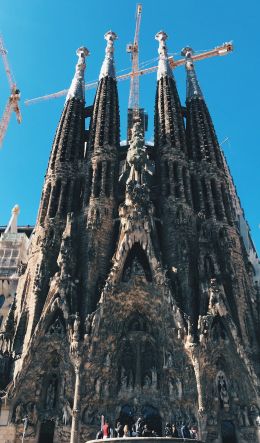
<point>224,49</point>
<point>12,103</point>
<point>133,48</point>
<point>134,111</point>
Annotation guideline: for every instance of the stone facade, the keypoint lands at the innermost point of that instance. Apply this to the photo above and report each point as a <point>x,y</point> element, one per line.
<point>138,297</point>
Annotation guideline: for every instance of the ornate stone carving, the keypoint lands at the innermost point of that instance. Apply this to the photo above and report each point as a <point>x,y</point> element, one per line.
<point>19,413</point>
<point>51,391</point>
<point>66,413</point>
<point>222,390</point>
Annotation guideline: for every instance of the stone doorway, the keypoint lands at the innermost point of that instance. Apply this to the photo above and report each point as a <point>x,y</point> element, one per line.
<point>228,432</point>
<point>150,416</point>
<point>126,416</point>
<point>47,432</point>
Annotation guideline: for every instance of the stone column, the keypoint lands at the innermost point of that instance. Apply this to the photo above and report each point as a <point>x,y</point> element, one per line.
<point>258,428</point>
<point>74,436</point>
<point>196,357</point>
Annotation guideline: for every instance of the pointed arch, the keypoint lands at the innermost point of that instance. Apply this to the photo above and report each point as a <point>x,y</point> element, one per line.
<point>138,357</point>
<point>137,263</point>
<point>56,323</point>
<point>218,330</point>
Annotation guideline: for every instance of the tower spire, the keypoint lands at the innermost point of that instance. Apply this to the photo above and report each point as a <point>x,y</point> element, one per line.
<point>193,87</point>
<point>164,68</point>
<point>63,193</point>
<point>103,146</point>
<point>12,225</point>
<point>108,66</point>
<point>201,137</point>
<point>169,125</point>
<point>77,87</point>
<point>105,120</point>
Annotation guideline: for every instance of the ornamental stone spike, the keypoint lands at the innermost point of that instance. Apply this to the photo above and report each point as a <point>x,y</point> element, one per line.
<point>12,225</point>
<point>108,66</point>
<point>193,87</point>
<point>77,87</point>
<point>164,68</point>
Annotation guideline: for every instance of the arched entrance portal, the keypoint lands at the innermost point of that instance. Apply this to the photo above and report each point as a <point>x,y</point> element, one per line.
<point>150,415</point>
<point>126,416</point>
<point>47,432</point>
<point>228,432</point>
<point>152,418</point>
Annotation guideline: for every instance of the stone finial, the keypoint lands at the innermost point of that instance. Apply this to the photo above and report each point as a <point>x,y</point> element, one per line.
<point>16,210</point>
<point>77,87</point>
<point>161,36</point>
<point>108,66</point>
<point>187,52</point>
<point>164,68</point>
<point>12,225</point>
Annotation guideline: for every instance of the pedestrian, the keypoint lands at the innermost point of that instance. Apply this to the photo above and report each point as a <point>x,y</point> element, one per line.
<point>185,432</point>
<point>119,430</point>
<point>168,430</point>
<point>139,427</point>
<point>106,430</point>
<point>126,432</point>
<point>133,430</point>
<point>111,432</point>
<point>175,432</point>
<point>146,432</point>
<point>99,435</point>
<point>194,433</point>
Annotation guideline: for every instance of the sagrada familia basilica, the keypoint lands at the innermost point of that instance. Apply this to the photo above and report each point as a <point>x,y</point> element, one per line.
<point>137,296</point>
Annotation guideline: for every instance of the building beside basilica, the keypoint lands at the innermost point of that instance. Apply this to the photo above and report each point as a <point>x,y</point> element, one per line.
<point>139,296</point>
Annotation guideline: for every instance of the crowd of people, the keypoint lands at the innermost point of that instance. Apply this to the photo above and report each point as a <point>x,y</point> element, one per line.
<point>142,429</point>
<point>184,432</point>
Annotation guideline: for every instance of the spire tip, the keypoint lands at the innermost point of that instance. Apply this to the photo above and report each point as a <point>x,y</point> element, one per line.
<point>164,69</point>
<point>187,52</point>
<point>77,87</point>
<point>161,36</point>
<point>108,68</point>
<point>82,51</point>
<point>193,88</point>
<point>110,35</point>
<point>16,209</point>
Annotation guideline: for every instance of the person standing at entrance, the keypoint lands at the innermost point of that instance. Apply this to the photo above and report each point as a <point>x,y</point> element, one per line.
<point>126,432</point>
<point>119,430</point>
<point>185,432</point>
<point>106,430</point>
<point>175,432</point>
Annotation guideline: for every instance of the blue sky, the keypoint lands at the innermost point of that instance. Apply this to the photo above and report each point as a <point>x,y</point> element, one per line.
<point>41,37</point>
